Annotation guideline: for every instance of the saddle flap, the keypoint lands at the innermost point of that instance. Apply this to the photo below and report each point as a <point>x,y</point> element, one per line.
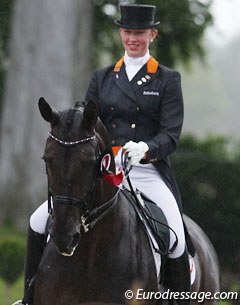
<point>158,224</point>
<point>153,219</point>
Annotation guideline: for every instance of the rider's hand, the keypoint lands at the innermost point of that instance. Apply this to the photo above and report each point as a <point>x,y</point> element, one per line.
<point>136,151</point>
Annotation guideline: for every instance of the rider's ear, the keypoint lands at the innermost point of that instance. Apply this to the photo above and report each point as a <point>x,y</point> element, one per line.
<point>90,114</point>
<point>48,113</point>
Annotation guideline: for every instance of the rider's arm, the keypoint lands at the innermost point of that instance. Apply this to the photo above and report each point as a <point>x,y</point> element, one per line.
<point>170,120</point>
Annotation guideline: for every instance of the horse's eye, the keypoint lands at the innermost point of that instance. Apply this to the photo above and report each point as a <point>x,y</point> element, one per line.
<point>85,152</point>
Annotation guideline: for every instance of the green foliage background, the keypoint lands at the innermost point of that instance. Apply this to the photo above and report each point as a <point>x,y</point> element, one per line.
<point>210,187</point>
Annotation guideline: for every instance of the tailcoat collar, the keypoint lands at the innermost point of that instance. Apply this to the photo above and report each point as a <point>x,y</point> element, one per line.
<point>152,65</point>
<point>140,79</point>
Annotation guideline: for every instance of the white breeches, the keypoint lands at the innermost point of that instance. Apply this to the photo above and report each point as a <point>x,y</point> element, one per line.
<point>145,178</point>
<point>38,219</point>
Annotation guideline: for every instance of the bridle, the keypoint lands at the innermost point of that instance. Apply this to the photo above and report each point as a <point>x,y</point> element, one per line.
<point>72,143</point>
<point>90,216</point>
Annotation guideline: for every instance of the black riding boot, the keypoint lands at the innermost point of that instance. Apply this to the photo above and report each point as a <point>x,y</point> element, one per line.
<point>35,246</point>
<point>178,277</point>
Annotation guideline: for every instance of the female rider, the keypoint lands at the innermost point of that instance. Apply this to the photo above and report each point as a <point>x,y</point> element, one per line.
<point>140,103</point>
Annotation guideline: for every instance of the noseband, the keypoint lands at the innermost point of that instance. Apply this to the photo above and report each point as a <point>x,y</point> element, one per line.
<point>90,217</point>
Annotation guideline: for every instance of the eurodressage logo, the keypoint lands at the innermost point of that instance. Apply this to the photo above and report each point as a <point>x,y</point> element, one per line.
<point>140,294</point>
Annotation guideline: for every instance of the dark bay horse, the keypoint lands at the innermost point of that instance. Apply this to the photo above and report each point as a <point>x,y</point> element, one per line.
<point>98,247</point>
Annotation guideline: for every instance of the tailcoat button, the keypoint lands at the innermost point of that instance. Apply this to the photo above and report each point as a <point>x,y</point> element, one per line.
<point>133,125</point>
<point>114,125</point>
<point>113,142</point>
<point>112,108</point>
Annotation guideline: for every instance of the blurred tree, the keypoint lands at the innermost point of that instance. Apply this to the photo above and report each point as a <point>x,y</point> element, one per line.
<point>181,29</point>
<point>49,56</point>
<point>12,251</point>
<point>210,187</point>
<point>5,21</point>
<point>211,146</point>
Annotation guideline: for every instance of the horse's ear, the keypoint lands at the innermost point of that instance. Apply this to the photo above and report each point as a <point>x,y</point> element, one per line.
<point>48,113</point>
<point>90,114</point>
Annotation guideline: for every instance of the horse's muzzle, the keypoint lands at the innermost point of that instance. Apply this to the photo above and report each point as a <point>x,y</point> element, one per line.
<point>66,246</point>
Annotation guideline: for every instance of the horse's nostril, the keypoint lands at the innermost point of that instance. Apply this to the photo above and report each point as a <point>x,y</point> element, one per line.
<point>75,239</point>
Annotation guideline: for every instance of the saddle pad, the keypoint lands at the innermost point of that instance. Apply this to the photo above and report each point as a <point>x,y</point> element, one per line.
<point>153,219</point>
<point>158,225</point>
<point>163,229</point>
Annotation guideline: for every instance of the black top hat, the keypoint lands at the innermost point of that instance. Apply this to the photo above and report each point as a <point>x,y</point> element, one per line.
<point>137,16</point>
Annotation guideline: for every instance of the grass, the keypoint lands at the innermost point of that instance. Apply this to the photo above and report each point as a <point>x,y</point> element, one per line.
<point>10,294</point>
<point>9,232</point>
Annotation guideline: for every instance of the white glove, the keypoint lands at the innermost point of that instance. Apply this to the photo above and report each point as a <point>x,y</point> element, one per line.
<point>136,151</point>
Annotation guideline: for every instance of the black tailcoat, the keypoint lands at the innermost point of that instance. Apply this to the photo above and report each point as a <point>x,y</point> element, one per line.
<point>149,108</point>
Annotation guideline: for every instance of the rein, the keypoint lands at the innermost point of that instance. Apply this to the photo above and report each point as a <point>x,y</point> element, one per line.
<point>100,212</point>
<point>91,216</point>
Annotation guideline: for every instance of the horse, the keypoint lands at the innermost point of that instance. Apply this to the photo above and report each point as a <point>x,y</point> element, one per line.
<point>98,248</point>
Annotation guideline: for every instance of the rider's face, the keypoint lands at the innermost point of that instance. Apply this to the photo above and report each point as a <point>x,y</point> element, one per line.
<point>136,41</point>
